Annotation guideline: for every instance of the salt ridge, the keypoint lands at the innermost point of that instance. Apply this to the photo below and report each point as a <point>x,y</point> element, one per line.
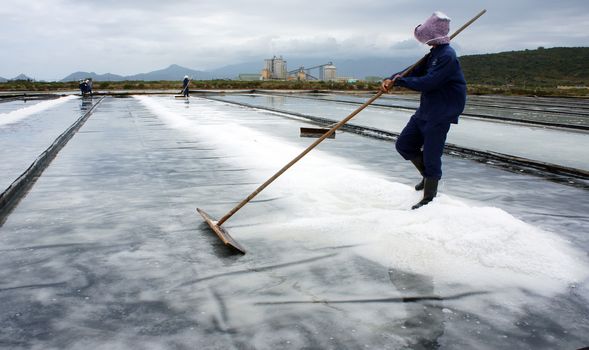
<point>19,114</point>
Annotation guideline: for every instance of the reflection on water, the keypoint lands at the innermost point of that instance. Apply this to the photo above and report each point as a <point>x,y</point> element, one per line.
<point>86,103</point>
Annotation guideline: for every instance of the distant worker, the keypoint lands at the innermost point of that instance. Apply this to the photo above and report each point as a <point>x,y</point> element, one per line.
<point>443,96</point>
<point>81,86</point>
<point>185,90</point>
<point>84,87</point>
<point>89,83</point>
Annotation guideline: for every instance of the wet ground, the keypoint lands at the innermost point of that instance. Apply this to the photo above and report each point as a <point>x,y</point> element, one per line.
<point>562,111</point>
<point>553,145</point>
<point>106,251</point>
<point>27,129</point>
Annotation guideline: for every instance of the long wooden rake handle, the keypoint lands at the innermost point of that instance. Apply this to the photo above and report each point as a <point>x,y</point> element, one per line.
<point>297,158</point>
<point>328,133</point>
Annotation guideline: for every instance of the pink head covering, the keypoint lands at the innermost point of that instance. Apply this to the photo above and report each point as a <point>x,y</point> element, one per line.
<point>434,31</point>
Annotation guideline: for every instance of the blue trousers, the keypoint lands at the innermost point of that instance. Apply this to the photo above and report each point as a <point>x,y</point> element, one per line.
<point>420,134</point>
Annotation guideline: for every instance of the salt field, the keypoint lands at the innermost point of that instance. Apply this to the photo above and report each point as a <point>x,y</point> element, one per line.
<point>106,251</point>
<point>564,147</point>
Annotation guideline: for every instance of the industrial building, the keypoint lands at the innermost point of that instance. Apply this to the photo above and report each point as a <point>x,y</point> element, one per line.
<point>328,72</point>
<point>275,69</point>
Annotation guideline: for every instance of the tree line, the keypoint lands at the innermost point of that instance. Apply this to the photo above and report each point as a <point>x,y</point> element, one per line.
<point>540,68</point>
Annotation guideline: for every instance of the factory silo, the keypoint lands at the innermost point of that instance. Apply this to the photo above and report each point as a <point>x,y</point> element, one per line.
<point>329,72</point>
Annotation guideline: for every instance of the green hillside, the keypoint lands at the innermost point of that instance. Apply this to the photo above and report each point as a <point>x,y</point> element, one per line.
<point>559,66</point>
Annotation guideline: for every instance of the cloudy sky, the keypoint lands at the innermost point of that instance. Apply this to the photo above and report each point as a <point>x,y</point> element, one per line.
<point>48,39</point>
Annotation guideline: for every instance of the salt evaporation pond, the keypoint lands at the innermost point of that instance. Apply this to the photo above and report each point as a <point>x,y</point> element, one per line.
<point>28,129</point>
<point>106,250</point>
<point>557,146</point>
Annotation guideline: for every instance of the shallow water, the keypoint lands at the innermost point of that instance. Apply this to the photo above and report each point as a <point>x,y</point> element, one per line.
<point>28,129</point>
<point>566,148</point>
<point>106,251</point>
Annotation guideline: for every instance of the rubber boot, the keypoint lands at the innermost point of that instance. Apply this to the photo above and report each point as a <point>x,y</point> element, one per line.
<point>430,190</point>
<point>420,185</point>
<point>418,162</point>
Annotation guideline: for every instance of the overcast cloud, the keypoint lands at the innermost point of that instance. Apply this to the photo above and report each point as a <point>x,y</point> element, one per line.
<point>48,39</point>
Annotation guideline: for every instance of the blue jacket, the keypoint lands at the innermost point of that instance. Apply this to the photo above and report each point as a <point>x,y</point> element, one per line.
<point>441,83</point>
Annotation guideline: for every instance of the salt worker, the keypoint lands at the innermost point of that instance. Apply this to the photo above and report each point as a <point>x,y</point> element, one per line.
<point>441,82</point>
<point>89,84</point>
<point>185,82</point>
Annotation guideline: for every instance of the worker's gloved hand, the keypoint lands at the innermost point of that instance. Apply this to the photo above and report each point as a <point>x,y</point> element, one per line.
<point>386,85</point>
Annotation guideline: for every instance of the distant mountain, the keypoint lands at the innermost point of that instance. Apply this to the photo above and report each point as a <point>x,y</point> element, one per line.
<point>356,68</point>
<point>233,70</point>
<point>173,72</point>
<point>21,77</point>
<point>541,67</point>
<point>3,80</point>
<point>96,77</point>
